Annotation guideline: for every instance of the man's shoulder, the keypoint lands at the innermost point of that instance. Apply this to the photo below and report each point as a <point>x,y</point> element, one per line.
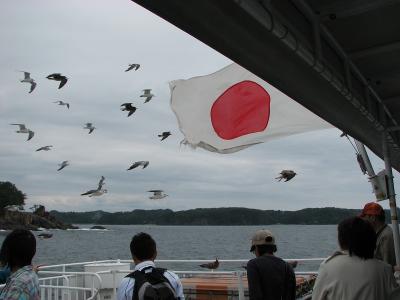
<point>387,232</point>
<point>171,275</point>
<point>265,260</point>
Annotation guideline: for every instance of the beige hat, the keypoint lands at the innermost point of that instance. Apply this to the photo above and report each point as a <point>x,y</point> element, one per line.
<point>262,237</point>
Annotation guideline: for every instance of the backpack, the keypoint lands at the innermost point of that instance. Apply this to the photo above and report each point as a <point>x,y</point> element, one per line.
<point>152,285</point>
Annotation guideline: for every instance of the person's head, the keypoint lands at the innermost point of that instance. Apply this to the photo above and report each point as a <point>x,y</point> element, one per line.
<point>143,247</point>
<point>357,236</point>
<point>373,213</point>
<point>18,249</point>
<point>263,242</point>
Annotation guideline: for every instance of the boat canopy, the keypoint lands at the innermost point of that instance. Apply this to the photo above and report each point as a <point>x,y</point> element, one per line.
<point>340,59</point>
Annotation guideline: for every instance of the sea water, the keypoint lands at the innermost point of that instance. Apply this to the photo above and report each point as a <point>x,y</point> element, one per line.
<point>184,242</point>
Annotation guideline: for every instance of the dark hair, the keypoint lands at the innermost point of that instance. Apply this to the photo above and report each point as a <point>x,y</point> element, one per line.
<point>262,249</point>
<point>143,246</point>
<point>357,236</point>
<point>18,248</point>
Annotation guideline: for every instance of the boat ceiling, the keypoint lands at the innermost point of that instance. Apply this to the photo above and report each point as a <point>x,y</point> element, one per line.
<point>340,59</point>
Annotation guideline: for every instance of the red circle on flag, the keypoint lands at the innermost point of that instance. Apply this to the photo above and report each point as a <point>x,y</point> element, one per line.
<point>242,109</point>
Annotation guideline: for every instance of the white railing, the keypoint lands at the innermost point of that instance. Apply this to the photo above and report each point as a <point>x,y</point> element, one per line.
<point>71,288</point>
<point>65,282</point>
<point>60,288</point>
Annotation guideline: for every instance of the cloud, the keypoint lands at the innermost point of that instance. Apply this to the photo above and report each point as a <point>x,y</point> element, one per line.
<point>92,45</point>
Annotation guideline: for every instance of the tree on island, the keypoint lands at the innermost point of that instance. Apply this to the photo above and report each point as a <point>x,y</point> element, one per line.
<point>10,195</point>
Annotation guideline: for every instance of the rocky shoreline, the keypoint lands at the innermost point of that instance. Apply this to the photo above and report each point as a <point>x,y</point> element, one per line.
<point>39,219</point>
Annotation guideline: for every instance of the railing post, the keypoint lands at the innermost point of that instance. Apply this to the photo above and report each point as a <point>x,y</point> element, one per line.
<point>114,287</point>
<point>240,285</point>
<point>392,197</point>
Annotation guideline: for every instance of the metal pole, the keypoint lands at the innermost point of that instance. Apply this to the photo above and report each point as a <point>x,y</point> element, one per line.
<point>361,148</point>
<point>392,198</point>
<point>240,285</point>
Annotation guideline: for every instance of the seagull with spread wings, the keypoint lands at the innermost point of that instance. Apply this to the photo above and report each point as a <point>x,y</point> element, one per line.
<point>286,174</point>
<point>164,135</point>
<point>128,107</point>
<point>28,79</point>
<point>133,66</point>
<point>44,148</point>
<point>63,165</point>
<point>157,194</point>
<point>97,192</point>
<point>23,129</point>
<point>143,163</point>
<point>62,103</point>
<point>58,77</point>
<point>147,94</point>
<point>90,127</point>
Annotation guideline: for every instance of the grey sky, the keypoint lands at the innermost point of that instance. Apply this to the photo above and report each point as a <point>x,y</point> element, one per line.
<point>92,43</point>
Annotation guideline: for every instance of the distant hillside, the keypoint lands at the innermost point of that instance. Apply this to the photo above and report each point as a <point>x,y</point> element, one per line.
<point>211,216</point>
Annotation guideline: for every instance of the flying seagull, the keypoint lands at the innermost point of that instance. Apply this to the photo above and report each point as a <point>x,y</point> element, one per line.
<point>286,174</point>
<point>62,103</point>
<point>128,107</point>
<point>133,66</point>
<point>147,93</point>
<point>28,79</point>
<point>23,129</point>
<point>45,148</point>
<point>90,127</point>
<point>97,192</point>
<point>157,194</point>
<point>164,135</point>
<point>212,265</point>
<point>143,163</point>
<point>58,77</point>
<point>63,165</point>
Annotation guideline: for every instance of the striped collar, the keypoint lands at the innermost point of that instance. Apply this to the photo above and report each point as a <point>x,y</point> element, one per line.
<point>144,264</point>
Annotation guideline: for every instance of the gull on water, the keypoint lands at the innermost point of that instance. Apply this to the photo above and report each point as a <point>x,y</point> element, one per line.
<point>97,192</point>
<point>63,165</point>
<point>58,77</point>
<point>147,93</point>
<point>128,107</point>
<point>133,66</point>
<point>23,129</point>
<point>286,174</point>
<point>157,194</point>
<point>62,103</point>
<point>164,135</point>
<point>28,79</point>
<point>45,148</point>
<point>143,163</point>
<point>90,127</point>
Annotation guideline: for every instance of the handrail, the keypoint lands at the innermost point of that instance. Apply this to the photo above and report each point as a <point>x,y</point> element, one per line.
<point>50,276</point>
<point>300,260</point>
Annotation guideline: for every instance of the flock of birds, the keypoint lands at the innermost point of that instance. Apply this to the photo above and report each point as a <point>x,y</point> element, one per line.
<point>285,175</point>
<point>128,107</point>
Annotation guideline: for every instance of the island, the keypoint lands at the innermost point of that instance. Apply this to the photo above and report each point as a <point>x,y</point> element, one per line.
<point>13,215</point>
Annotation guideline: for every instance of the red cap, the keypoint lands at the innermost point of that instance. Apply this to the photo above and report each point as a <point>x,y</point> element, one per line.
<point>372,209</point>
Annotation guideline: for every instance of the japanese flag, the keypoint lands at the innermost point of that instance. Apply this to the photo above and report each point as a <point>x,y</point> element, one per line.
<point>232,109</point>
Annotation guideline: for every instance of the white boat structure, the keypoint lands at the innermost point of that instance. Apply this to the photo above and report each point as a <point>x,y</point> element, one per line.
<point>100,279</point>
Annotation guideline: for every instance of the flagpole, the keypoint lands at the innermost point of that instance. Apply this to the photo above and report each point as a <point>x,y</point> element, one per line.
<point>392,197</point>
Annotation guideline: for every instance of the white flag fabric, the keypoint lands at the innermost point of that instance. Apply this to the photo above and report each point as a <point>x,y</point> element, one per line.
<point>232,109</point>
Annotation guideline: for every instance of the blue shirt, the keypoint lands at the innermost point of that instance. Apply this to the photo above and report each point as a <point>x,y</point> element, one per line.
<point>125,289</point>
<point>21,285</point>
